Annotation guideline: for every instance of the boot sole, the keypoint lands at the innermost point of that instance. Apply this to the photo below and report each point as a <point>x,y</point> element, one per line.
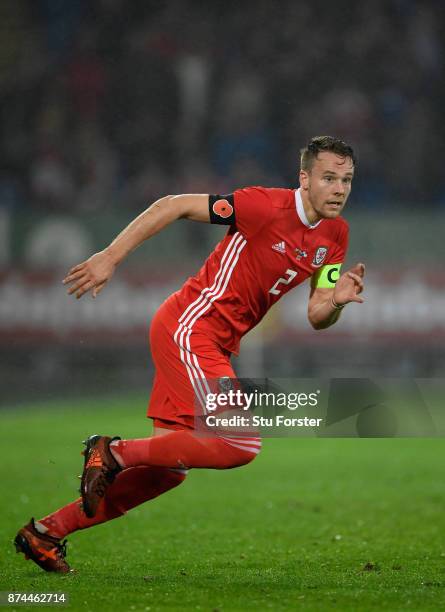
<point>22,546</point>
<point>89,443</point>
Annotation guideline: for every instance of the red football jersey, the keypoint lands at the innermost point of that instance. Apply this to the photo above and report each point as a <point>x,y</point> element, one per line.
<point>269,249</point>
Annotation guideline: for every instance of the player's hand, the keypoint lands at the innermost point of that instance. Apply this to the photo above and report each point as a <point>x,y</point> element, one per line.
<point>350,285</point>
<point>90,275</point>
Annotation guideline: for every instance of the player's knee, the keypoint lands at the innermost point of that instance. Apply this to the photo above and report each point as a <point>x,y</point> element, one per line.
<point>177,475</point>
<point>240,457</point>
<point>250,457</point>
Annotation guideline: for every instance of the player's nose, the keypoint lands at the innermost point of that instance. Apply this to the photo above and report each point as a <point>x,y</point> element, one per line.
<point>339,188</point>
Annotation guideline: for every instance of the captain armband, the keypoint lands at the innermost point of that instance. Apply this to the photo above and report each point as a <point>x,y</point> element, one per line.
<point>326,276</point>
<point>222,209</point>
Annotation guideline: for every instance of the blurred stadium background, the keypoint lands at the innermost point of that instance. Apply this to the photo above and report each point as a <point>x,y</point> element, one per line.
<point>107,105</point>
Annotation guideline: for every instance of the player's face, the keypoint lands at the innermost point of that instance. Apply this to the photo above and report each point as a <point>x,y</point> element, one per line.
<point>328,184</point>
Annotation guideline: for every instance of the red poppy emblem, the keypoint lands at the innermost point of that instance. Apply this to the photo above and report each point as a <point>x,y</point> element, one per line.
<point>222,208</point>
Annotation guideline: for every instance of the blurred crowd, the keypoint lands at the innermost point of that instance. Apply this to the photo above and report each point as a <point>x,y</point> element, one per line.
<point>109,104</point>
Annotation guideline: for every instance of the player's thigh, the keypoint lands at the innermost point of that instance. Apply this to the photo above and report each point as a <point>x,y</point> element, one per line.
<point>186,364</point>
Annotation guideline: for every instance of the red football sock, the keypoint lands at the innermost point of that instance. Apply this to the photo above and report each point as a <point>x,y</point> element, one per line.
<point>184,449</point>
<point>131,487</point>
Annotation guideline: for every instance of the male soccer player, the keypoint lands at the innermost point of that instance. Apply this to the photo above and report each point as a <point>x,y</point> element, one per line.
<point>277,239</point>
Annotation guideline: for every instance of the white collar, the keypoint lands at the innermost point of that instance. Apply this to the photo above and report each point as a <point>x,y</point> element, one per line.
<point>301,212</point>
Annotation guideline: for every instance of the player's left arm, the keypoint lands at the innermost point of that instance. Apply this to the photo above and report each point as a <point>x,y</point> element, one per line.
<point>326,303</point>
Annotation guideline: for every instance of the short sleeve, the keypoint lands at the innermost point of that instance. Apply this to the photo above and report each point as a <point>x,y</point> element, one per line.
<point>247,209</point>
<point>326,276</point>
<point>253,209</point>
<point>338,253</point>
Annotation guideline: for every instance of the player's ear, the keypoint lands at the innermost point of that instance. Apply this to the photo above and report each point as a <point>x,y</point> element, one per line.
<point>304,179</point>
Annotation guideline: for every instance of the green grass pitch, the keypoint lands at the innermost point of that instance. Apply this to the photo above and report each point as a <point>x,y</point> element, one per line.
<point>311,524</point>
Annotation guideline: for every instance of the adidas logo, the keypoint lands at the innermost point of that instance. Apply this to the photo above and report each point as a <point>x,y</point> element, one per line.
<point>280,247</point>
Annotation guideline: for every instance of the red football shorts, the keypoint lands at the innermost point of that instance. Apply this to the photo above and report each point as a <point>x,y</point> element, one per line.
<point>183,359</point>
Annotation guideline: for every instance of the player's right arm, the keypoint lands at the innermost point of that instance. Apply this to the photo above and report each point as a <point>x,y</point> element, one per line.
<point>94,273</point>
